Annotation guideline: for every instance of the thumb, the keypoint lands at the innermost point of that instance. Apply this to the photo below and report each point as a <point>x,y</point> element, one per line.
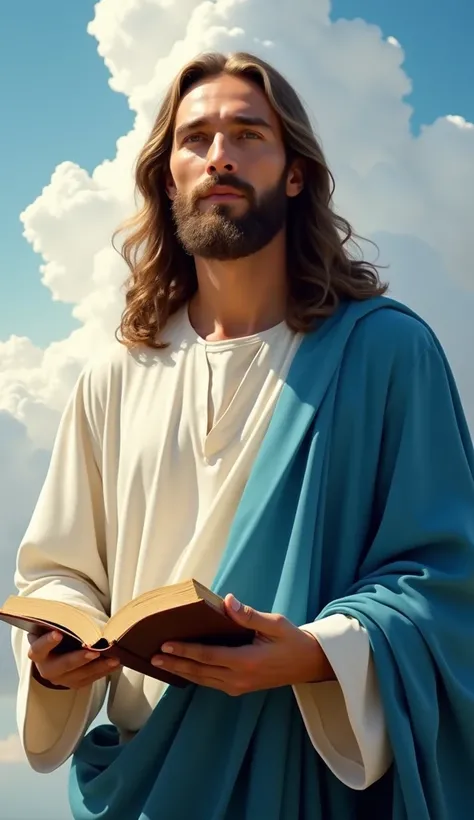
<point>264,622</point>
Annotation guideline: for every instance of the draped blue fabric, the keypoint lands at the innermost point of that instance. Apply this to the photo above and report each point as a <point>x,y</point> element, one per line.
<point>361,501</point>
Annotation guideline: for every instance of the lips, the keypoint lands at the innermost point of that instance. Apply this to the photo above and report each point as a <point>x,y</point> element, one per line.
<point>223,192</point>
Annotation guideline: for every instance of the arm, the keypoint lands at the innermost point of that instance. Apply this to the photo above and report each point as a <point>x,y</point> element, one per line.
<point>329,666</point>
<point>62,557</point>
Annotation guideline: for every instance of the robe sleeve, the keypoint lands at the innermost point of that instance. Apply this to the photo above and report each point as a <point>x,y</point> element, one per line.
<point>62,557</point>
<point>414,592</point>
<point>344,718</point>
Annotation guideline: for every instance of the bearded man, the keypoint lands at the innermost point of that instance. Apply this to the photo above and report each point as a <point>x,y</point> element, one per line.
<point>274,426</point>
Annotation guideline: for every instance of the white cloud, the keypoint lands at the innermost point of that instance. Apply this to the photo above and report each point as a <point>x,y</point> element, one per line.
<point>11,750</point>
<point>393,42</point>
<point>53,225</point>
<point>408,191</point>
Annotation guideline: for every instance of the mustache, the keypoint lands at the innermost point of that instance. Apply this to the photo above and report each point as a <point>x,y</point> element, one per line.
<point>223,179</point>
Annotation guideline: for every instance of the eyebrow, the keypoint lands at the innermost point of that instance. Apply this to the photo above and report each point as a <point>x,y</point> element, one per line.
<point>239,119</point>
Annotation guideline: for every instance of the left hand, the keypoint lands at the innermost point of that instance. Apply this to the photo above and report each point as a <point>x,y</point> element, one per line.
<point>280,655</point>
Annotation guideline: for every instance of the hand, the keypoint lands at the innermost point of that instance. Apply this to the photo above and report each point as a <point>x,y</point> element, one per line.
<point>280,655</point>
<point>73,670</point>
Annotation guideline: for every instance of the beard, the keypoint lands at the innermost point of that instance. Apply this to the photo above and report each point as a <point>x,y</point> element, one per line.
<point>217,233</point>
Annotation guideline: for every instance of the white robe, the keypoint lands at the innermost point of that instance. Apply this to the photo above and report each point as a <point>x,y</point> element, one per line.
<point>152,455</point>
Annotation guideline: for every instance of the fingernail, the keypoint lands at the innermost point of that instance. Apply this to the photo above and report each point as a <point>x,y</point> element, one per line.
<point>157,662</point>
<point>55,636</point>
<point>90,656</point>
<point>113,662</point>
<point>167,647</point>
<point>235,604</point>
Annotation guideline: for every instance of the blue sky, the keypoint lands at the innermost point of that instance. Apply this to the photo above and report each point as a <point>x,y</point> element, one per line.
<point>57,106</point>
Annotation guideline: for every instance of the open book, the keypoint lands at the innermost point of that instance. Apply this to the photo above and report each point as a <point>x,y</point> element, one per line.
<point>187,611</point>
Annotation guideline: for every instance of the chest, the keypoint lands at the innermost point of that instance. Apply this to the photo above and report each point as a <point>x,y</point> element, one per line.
<point>193,417</point>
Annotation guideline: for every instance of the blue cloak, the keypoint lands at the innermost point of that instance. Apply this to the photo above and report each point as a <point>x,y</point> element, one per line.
<point>361,501</point>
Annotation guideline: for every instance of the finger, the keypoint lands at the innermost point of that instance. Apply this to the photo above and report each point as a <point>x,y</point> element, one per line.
<point>191,670</point>
<point>89,674</point>
<point>229,685</point>
<point>208,655</point>
<point>211,683</point>
<point>206,680</point>
<point>56,666</point>
<point>41,647</point>
<point>266,623</point>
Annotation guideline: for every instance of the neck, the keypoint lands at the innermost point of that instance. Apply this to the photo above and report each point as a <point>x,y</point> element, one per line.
<point>242,296</point>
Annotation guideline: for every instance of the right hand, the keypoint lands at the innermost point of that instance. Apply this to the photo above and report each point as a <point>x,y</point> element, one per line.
<point>74,670</point>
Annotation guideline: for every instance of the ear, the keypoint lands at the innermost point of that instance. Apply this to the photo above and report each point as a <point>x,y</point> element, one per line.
<point>295,179</point>
<point>170,185</point>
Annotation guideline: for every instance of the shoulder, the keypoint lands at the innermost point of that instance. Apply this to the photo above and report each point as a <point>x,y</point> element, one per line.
<point>116,366</point>
<point>391,351</point>
<point>391,333</point>
<point>105,367</point>
<point>115,372</point>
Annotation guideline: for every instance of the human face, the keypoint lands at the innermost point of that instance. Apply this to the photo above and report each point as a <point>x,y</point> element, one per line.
<point>229,180</point>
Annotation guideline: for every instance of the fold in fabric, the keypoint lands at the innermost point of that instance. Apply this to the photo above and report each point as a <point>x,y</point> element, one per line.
<point>344,718</point>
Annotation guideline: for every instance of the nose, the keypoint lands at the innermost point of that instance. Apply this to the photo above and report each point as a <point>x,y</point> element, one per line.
<point>219,160</point>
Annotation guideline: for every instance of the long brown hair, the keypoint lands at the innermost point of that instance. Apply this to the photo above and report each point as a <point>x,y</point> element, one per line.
<point>321,269</point>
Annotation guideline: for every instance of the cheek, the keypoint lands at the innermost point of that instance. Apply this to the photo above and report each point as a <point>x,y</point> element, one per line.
<point>267,164</point>
<point>264,173</point>
<point>186,171</point>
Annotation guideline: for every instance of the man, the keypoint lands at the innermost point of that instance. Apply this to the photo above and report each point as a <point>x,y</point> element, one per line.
<point>274,428</point>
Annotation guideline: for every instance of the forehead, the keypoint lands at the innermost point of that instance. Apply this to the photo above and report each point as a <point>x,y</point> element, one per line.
<point>224,98</point>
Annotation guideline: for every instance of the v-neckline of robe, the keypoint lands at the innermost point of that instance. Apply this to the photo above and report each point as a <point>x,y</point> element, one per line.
<point>211,444</point>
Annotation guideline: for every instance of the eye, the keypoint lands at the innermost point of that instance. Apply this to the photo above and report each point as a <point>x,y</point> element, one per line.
<point>251,135</point>
<point>193,138</point>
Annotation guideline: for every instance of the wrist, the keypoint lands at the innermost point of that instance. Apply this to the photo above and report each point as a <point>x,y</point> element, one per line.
<point>320,670</point>
<point>37,676</point>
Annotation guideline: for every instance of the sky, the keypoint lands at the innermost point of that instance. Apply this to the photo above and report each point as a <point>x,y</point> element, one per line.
<point>389,88</point>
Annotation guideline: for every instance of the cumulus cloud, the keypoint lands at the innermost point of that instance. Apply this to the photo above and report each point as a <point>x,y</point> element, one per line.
<point>413,194</point>
<point>53,226</point>
<point>11,750</point>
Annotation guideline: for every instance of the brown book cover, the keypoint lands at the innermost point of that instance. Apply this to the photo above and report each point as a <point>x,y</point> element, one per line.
<point>187,611</point>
